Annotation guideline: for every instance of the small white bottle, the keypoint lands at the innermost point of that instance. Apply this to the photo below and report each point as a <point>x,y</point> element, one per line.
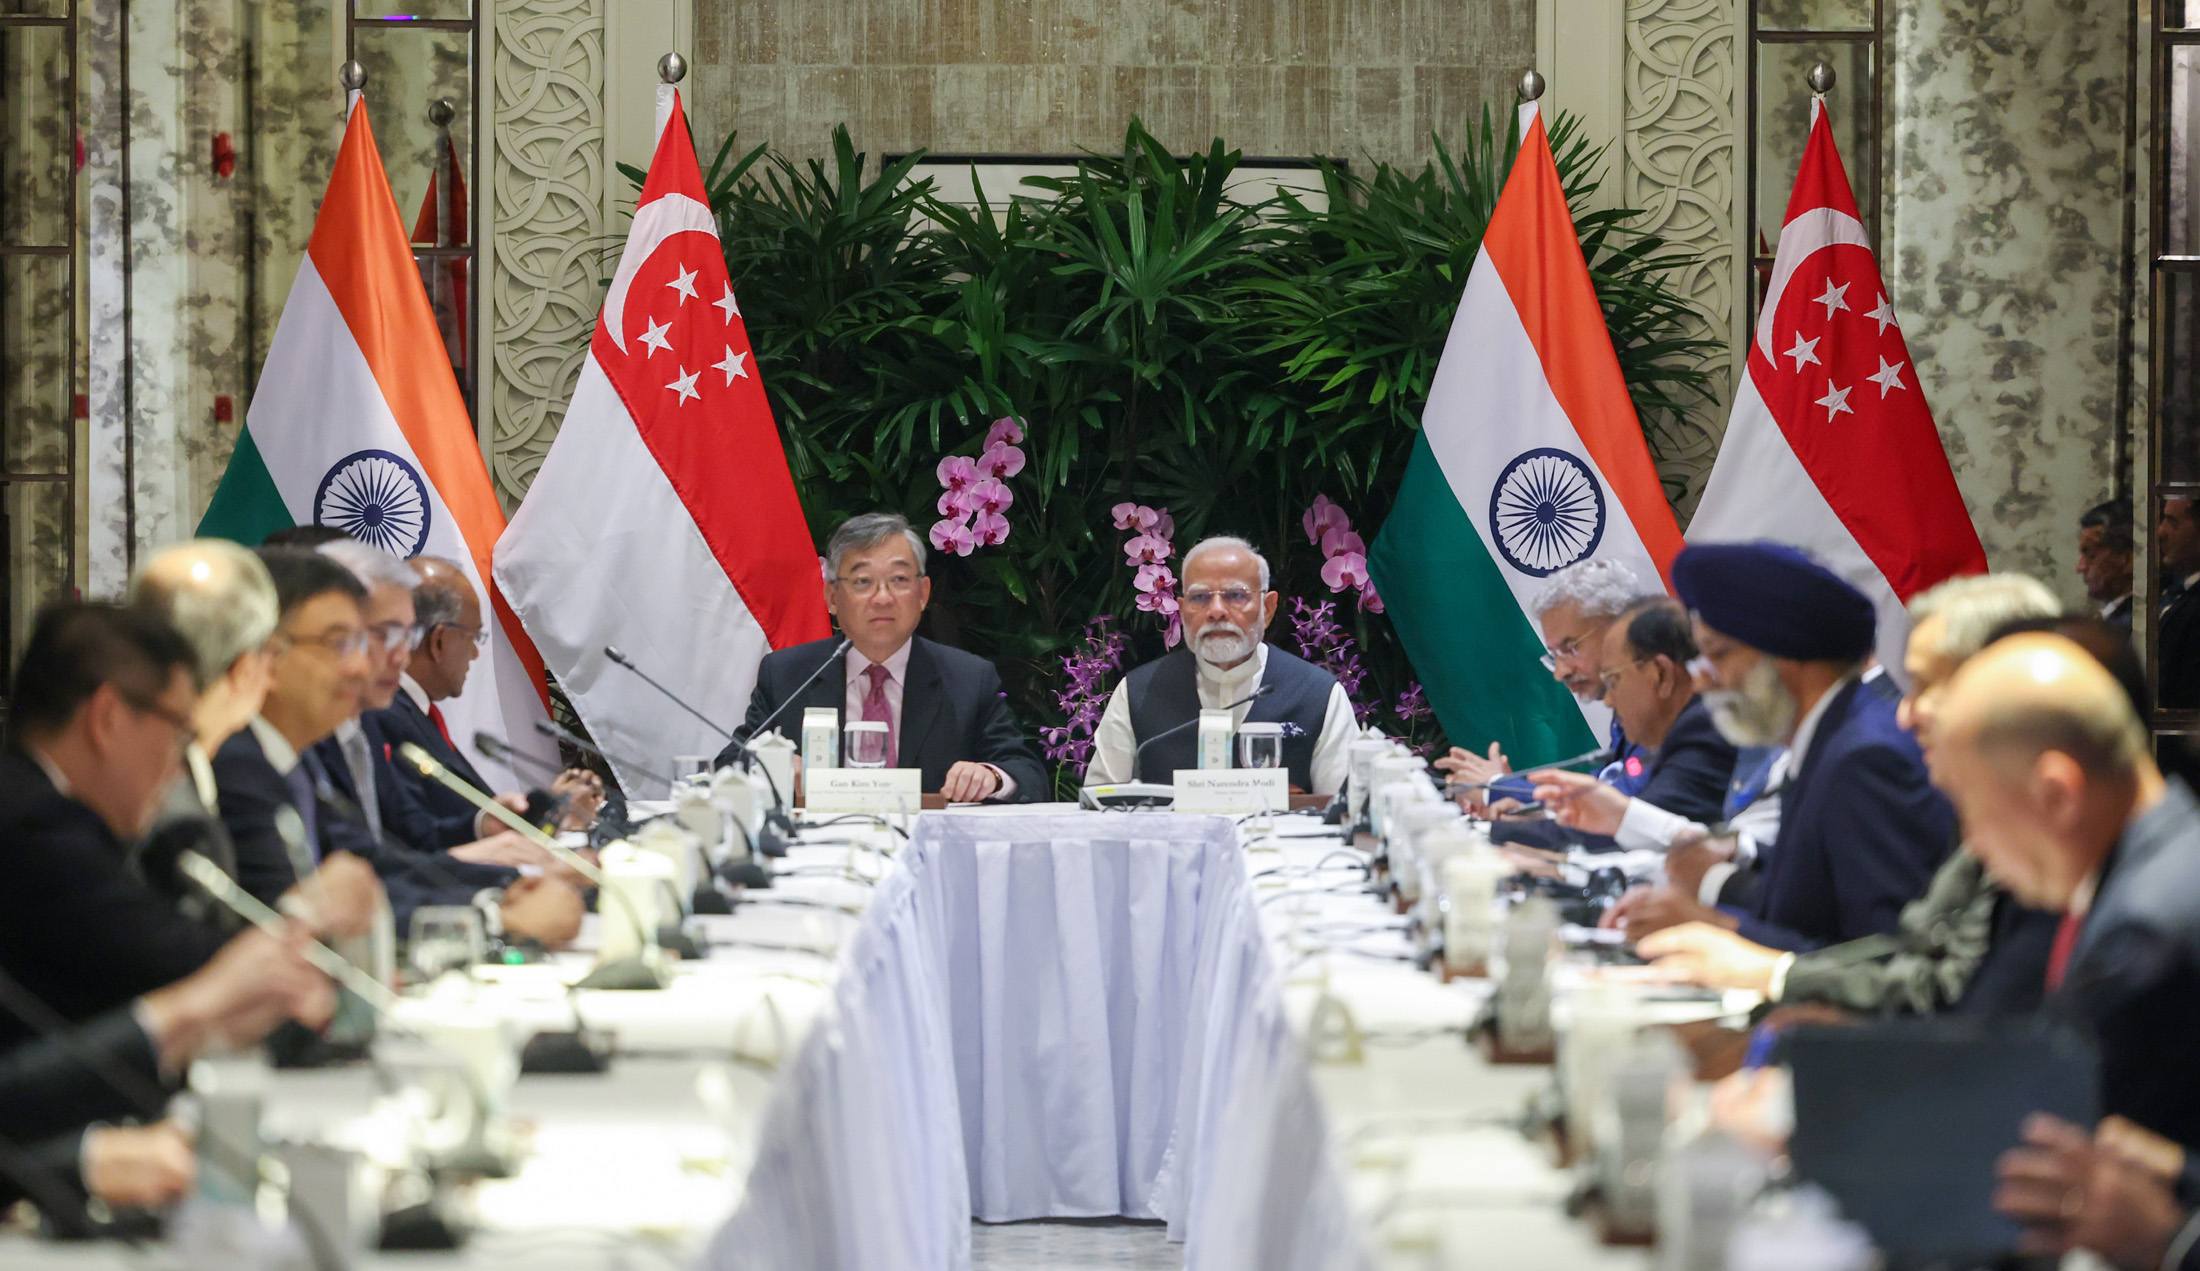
<point>1215,729</point>
<point>820,737</point>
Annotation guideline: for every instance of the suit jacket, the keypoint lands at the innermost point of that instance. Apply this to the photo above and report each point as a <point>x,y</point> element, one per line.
<point>2134,974</point>
<point>77,930</point>
<point>1689,773</point>
<point>46,1088</point>
<point>254,798</point>
<point>1861,831</point>
<point>952,709</point>
<point>184,824</point>
<point>2179,649</point>
<point>416,809</point>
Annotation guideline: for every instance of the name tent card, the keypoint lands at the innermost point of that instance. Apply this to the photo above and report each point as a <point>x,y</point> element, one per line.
<point>1232,791</point>
<point>863,789</point>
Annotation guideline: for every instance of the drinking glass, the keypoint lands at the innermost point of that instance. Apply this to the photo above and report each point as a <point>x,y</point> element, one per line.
<point>445,938</point>
<point>685,768</point>
<point>864,744</point>
<point>1260,746</point>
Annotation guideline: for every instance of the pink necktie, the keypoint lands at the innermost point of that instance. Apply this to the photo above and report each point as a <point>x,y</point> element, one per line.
<point>877,708</point>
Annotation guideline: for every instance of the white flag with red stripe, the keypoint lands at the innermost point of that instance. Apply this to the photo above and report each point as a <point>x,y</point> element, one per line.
<point>1831,446</point>
<point>664,521</point>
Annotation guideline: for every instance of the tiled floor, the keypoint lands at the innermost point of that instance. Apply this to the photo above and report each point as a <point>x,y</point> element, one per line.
<point>1072,1244</point>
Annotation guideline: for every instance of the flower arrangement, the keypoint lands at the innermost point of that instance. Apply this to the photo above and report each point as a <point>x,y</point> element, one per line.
<point>1087,669</point>
<point>1152,543</point>
<point>1344,553</point>
<point>975,498</point>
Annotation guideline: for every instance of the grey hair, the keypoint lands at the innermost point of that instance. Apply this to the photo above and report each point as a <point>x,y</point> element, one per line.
<point>1974,607</point>
<point>216,594</point>
<point>372,566</point>
<point>865,531</point>
<point>1599,588</point>
<point>1223,543</point>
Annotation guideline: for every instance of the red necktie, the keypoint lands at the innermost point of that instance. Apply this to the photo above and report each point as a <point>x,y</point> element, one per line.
<point>876,707</point>
<point>2058,954</point>
<point>435,716</point>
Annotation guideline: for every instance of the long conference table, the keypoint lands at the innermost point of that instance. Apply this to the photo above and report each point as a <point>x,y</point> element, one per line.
<point>1003,1014</point>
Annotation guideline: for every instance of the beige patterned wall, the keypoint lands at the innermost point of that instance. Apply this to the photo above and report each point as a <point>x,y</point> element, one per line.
<point>546,177</point>
<point>1682,159</point>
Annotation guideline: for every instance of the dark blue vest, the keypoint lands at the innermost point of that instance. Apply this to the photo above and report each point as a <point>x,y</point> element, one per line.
<point>1165,693</point>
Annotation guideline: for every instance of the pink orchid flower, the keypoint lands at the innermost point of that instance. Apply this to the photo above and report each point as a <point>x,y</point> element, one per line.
<point>1348,569</point>
<point>1173,634</point>
<point>1001,461</point>
<point>1006,431</point>
<point>990,495</point>
<point>1161,602</point>
<point>1342,542</point>
<point>1164,525</point>
<point>1322,516</point>
<point>1369,599</point>
<point>953,536</point>
<point>1133,516</point>
<point>1147,549</point>
<point>990,529</point>
<point>957,505</point>
<point>958,471</point>
<point>1155,578</point>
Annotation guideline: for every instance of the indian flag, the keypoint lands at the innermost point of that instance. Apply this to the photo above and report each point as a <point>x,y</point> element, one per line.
<point>1530,459</point>
<point>358,423</point>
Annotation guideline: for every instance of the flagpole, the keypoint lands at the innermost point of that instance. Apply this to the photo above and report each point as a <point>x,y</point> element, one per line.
<point>1531,93</point>
<point>671,69</point>
<point>1820,77</point>
<point>353,79</point>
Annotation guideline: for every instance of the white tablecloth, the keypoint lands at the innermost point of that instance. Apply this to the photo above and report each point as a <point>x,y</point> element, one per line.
<point>1045,1015</point>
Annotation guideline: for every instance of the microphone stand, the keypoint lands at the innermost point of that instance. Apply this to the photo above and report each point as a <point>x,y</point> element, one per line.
<point>637,972</point>
<point>1140,794</point>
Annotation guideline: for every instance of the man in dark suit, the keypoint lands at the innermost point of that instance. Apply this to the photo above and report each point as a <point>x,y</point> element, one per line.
<point>1861,828</point>
<point>401,706</point>
<point>1645,680</point>
<point>943,708</point>
<point>2178,648</point>
<point>2104,559</point>
<point>2062,800</point>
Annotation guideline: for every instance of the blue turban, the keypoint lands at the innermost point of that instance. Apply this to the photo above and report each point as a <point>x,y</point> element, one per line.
<point>1775,599</point>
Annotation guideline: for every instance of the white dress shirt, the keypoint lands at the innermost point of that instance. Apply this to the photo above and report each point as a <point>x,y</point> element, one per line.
<point>897,679</point>
<point>1115,744</point>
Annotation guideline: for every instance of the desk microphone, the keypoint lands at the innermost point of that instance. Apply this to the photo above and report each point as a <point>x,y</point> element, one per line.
<point>1139,755</point>
<point>765,725</point>
<point>636,972</point>
<point>611,653</point>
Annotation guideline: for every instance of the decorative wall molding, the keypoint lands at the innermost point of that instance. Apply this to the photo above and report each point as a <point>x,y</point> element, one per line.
<point>1682,164</point>
<point>547,176</point>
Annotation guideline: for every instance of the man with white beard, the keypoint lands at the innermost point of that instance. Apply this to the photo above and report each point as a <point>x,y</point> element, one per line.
<point>1226,607</point>
<point>1783,643</point>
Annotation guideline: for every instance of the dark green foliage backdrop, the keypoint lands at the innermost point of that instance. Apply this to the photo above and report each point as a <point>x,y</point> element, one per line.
<point>1164,344</point>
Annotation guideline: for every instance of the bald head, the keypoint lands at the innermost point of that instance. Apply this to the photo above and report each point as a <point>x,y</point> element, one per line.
<point>2046,762</point>
<point>219,597</point>
<point>448,611</point>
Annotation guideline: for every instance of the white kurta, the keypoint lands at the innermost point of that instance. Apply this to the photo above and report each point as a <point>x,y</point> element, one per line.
<point>1115,744</point>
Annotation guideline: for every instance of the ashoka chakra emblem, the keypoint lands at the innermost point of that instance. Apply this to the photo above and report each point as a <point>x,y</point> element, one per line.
<point>1546,511</point>
<point>377,498</point>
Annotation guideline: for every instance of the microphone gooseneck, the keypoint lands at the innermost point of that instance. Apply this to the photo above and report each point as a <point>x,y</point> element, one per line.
<point>616,658</point>
<point>1138,756</point>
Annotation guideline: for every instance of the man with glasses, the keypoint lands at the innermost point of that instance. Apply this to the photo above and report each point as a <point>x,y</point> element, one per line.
<point>1646,681</point>
<point>448,635</point>
<point>1227,606</point>
<point>943,708</point>
<point>1575,611</point>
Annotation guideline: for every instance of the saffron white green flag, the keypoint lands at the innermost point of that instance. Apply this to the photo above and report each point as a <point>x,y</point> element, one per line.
<point>1530,459</point>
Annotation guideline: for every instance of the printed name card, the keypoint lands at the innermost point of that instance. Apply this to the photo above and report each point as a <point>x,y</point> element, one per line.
<point>1232,791</point>
<point>863,789</point>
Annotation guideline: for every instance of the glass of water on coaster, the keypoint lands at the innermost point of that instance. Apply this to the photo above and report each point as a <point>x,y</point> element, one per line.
<point>863,744</point>
<point>445,938</point>
<point>1260,745</point>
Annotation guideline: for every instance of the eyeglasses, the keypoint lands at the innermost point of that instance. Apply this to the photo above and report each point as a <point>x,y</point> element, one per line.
<point>1611,677</point>
<point>186,731</point>
<point>1568,648</point>
<point>478,634</point>
<point>389,635</point>
<point>1235,598</point>
<point>344,642</point>
<point>863,585</point>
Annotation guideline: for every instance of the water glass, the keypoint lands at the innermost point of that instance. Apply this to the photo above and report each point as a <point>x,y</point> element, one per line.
<point>445,938</point>
<point>863,744</point>
<point>686,768</point>
<point>1260,746</point>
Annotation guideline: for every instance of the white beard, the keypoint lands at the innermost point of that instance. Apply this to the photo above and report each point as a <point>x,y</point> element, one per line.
<point>1221,645</point>
<point>1761,712</point>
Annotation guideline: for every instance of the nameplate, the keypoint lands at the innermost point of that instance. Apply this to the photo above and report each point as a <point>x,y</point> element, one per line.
<point>1232,791</point>
<point>863,789</point>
